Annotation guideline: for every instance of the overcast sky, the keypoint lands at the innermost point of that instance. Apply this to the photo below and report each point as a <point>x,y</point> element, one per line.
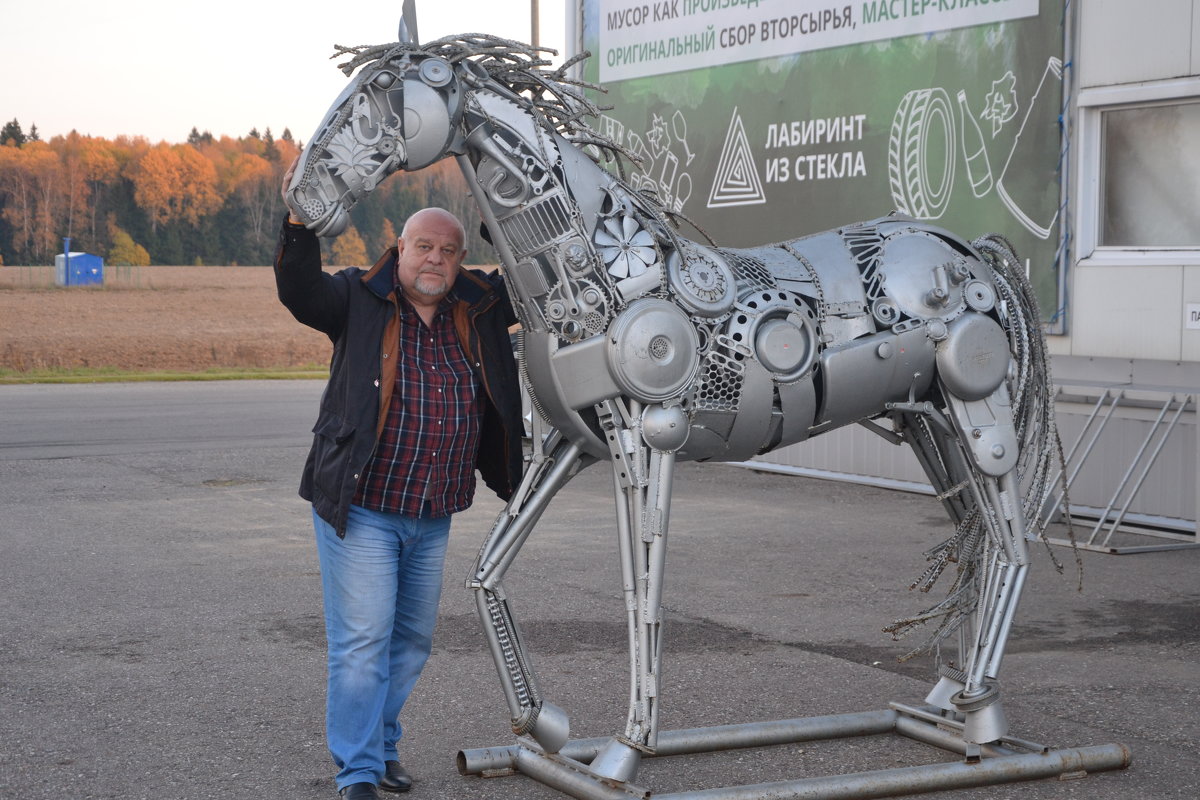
<point>155,68</point>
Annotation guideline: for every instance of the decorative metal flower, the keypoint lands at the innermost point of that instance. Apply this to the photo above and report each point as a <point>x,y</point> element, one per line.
<point>626,247</point>
<point>347,153</point>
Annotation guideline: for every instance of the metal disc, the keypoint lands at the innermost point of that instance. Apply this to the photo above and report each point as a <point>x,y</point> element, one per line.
<point>653,350</point>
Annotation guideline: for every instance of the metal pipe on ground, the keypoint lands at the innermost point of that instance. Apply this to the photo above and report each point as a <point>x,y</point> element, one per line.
<point>703,740</point>
<point>927,778</point>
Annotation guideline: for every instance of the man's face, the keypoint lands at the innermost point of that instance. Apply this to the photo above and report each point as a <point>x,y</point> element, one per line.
<point>430,255</point>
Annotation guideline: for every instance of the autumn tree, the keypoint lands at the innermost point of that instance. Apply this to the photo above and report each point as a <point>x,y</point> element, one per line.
<point>125,252</point>
<point>98,159</point>
<point>154,183</point>
<point>49,185</point>
<point>16,200</point>
<point>249,174</point>
<point>387,236</point>
<point>30,186</point>
<point>288,149</point>
<point>75,189</point>
<point>349,249</point>
<point>245,177</point>
<point>175,182</point>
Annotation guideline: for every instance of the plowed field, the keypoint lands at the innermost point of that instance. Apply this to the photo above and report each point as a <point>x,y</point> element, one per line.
<point>152,318</point>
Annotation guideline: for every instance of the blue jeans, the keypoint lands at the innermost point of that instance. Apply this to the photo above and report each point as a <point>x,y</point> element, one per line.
<point>381,585</point>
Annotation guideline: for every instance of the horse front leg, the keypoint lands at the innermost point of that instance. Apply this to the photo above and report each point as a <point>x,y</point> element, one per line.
<point>555,462</point>
<point>642,442</point>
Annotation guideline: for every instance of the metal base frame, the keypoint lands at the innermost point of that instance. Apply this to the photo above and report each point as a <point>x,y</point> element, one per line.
<point>1009,760</point>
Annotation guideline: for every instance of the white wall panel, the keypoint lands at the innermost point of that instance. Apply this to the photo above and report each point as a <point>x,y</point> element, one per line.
<point>1126,42</point>
<point>1127,312</point>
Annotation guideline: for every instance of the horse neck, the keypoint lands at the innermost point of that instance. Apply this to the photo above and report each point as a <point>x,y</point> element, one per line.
<point>535,210</point>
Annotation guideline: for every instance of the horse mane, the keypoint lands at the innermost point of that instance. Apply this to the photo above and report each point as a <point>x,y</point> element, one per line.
<point>553,98</point>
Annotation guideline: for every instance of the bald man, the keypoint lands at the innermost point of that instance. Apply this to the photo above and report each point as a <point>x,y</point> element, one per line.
<point>422,392</point>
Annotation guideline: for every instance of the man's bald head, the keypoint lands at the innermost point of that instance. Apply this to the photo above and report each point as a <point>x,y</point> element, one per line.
<point>437,217</point>
<point>430,254</point>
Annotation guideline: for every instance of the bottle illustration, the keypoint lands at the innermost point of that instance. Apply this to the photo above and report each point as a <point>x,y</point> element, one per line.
<point>979,168</point>
<point>1032,197</point>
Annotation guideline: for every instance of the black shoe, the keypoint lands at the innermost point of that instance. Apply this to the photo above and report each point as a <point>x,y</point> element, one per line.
<point>359,791</point>
<point>395,778</point>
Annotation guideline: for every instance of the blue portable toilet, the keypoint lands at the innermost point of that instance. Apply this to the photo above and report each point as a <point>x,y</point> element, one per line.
<point>83,269</point>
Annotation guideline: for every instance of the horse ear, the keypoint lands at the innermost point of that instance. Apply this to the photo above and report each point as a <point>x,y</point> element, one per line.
<point>408,23</point>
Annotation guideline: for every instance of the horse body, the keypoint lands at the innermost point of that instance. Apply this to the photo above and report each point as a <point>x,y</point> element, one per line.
<point>641,347</point>
<point>761,347</point>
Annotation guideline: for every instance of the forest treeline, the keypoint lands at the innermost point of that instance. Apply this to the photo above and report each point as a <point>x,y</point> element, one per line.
<point>206,201</point>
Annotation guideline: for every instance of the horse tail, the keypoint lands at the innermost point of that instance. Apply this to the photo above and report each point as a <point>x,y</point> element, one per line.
<point>1041,467</point>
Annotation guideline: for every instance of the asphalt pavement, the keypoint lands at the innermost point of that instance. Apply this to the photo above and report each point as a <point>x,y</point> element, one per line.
<point>161,637</point>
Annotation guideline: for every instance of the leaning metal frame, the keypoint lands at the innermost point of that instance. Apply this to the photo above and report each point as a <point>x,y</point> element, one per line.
<point>1171,403</point>
<point>641,347</point>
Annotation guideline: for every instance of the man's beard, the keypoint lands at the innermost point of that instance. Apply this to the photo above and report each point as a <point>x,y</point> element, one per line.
<point>431,284</point>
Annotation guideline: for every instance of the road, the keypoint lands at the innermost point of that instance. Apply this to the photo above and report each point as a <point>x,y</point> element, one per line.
<point>160,634</point>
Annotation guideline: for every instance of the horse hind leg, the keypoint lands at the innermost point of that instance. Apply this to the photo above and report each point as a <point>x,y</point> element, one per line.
<point>971,454</point>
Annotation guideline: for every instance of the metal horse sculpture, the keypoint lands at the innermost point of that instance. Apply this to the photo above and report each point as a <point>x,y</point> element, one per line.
<point>642,348</point>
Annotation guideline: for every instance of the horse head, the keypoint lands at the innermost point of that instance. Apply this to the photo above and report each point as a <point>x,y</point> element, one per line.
<point>401,112</point>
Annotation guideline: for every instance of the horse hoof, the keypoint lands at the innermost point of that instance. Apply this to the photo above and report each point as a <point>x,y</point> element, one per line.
<point>985,719</point>
<point>616,761</point>
<point>552,728</point>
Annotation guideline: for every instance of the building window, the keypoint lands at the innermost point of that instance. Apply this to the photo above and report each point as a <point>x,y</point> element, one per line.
<point>1150,176</point>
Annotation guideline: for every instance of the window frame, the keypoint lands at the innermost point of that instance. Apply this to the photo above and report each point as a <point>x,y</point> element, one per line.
<point>1092,103</point>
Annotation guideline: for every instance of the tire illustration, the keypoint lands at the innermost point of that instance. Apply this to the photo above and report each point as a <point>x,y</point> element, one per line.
<point>921,150</point>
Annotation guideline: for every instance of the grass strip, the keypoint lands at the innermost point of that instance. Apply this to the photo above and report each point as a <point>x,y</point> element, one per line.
<point>115,375</point>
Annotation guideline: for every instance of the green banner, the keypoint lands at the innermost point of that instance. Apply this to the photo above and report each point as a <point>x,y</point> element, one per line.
<point>763,120</point>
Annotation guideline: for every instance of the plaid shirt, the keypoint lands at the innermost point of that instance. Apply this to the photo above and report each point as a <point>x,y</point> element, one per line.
<point>424,461</point>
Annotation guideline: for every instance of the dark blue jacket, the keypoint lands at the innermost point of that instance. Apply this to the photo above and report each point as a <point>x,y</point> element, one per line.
<point>357,310</point>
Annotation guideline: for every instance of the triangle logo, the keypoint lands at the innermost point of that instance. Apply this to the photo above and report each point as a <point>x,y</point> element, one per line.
<point>736,182</point>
